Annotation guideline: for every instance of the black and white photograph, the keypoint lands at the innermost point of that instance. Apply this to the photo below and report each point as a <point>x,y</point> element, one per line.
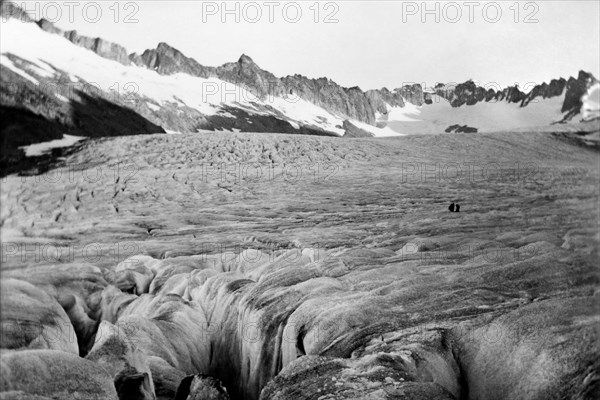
<point>299,200</point>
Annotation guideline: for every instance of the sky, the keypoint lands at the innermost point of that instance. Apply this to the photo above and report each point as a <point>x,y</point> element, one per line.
<point>370,44</point>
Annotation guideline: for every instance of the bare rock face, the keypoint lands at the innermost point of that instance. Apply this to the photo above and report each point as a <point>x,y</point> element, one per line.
<point>352,131</point>
<point>413,93</point>
<point>575,90</point>
<point>380,99</point>
<point>103,48</point>
<point>48,26</point>
<point>324,92</point>
<point>460,129</point>
<point>555,88</point>
<point>468,93</point>
<point>247,74</point>
<point>167,60</point>
<point>8,9</point>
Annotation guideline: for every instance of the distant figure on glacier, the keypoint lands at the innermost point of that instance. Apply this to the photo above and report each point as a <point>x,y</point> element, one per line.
<point>451,208</point>
<point>457,208</point>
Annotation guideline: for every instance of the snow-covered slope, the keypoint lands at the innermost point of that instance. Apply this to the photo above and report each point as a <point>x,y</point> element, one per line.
<point>93,92</point>
<point>38,149</point>
<point>493,116</point>
<point>43,59</point>
<point>591,103</point>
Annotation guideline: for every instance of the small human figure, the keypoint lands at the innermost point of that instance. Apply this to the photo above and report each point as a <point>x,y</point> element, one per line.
<point>457,208</point>
<point>451,208</point>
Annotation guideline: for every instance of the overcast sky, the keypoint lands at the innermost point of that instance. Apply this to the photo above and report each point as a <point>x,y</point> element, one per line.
<point>370,44</point>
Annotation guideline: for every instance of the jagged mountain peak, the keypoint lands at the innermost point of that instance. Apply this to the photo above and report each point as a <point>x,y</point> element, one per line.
<point>336,103</point>
<point>246,60</point>
<point>164,47</point>
<point>583,75</point>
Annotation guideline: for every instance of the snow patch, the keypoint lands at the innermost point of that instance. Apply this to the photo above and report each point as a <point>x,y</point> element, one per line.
<point>152,106</point>
<point>6,62</point>
<point>46,72</point>
<point>591,103</point>
<point>308,113</point>
<point>404,114</point>
<point>375,131</point>
<point>61,97</point>
<point>225,114</point>
<point>39,149</point>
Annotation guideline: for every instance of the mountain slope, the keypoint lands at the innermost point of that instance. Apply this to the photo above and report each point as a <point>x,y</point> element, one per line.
<point>177,102</point>
<point>56,74</point>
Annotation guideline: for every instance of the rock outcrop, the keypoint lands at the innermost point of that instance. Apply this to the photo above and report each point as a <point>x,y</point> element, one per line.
<point>167,60</point>
<point>352,131</point>
<point>8,9</point>
<point>573,89</point>
<point>460,129</point>
<point>555,88</point>
<point>103,48</point>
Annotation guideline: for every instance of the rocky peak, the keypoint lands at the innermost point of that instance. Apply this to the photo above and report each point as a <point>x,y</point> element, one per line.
<point>469,93</point>
<point>167,60</point>
<point>575,90</point>
<point>586,78</point>
<point>48,26</point>
<point>347,103</point>
<point>103,48</point>
<point>246,73</point>
<point>555,88</point>
<point>165,48</point>
<point>245,60</point>
<point>8,10</point>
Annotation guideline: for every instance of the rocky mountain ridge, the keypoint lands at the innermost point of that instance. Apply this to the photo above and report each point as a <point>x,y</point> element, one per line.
<point>54,91</point>
<point>469,93</point>
<point>351,102</point>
